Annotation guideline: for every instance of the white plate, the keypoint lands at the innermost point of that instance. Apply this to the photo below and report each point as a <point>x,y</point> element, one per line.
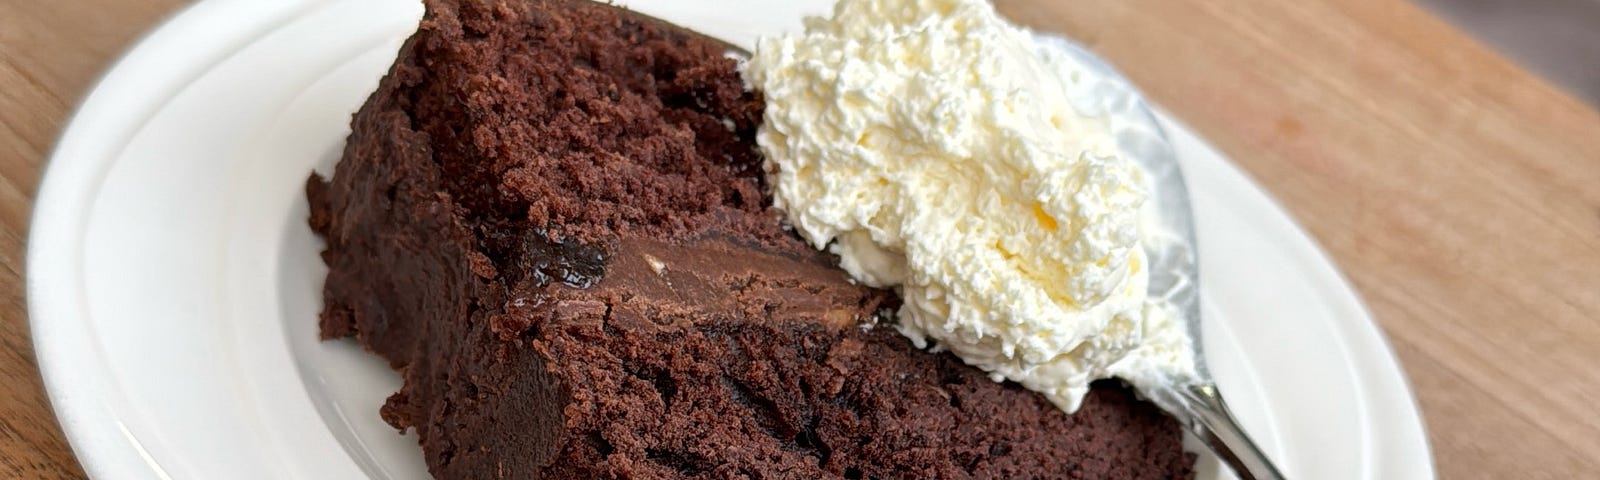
<point>174,285</point>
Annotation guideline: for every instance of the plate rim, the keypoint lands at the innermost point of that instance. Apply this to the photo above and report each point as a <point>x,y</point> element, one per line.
<point>105,447</point>
<point>101,444</point>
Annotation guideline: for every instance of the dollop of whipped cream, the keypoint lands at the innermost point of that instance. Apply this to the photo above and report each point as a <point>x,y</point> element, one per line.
<point>934,147</point>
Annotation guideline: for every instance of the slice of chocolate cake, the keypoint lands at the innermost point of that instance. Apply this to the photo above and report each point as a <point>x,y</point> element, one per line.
<point>550,219</point>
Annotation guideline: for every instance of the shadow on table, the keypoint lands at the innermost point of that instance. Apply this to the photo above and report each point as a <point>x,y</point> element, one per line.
<point>1558,39</point>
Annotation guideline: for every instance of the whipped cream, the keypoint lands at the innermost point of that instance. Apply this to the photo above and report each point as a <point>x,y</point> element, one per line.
<point>935,148</point>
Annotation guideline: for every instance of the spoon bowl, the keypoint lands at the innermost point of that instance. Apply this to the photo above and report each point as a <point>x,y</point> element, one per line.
<point>1173,256</point>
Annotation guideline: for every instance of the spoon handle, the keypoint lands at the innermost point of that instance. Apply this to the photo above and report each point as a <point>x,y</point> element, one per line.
<point>1210,420</point>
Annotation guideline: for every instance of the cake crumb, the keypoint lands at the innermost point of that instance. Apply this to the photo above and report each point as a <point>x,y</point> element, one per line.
<point>656,265</point>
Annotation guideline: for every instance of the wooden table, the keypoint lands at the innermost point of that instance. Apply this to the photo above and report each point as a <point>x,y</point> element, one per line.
<point>1459,194</point>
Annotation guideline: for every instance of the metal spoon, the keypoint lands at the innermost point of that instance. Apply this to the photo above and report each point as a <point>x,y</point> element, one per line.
<point>1174,270</point>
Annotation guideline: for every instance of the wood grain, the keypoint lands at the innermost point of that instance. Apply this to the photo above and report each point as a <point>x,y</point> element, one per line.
<point>1459,194</point>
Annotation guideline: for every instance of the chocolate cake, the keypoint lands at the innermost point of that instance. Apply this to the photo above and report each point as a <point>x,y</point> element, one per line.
<point>550,218</point>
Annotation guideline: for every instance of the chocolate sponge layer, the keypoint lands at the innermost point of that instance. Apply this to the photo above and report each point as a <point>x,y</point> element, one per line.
<point>550,219</point>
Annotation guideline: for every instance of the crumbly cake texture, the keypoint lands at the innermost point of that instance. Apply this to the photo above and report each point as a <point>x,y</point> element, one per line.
<point>550,219</point>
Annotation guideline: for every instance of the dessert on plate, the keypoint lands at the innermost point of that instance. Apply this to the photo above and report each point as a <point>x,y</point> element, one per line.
<point>555,220</point>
